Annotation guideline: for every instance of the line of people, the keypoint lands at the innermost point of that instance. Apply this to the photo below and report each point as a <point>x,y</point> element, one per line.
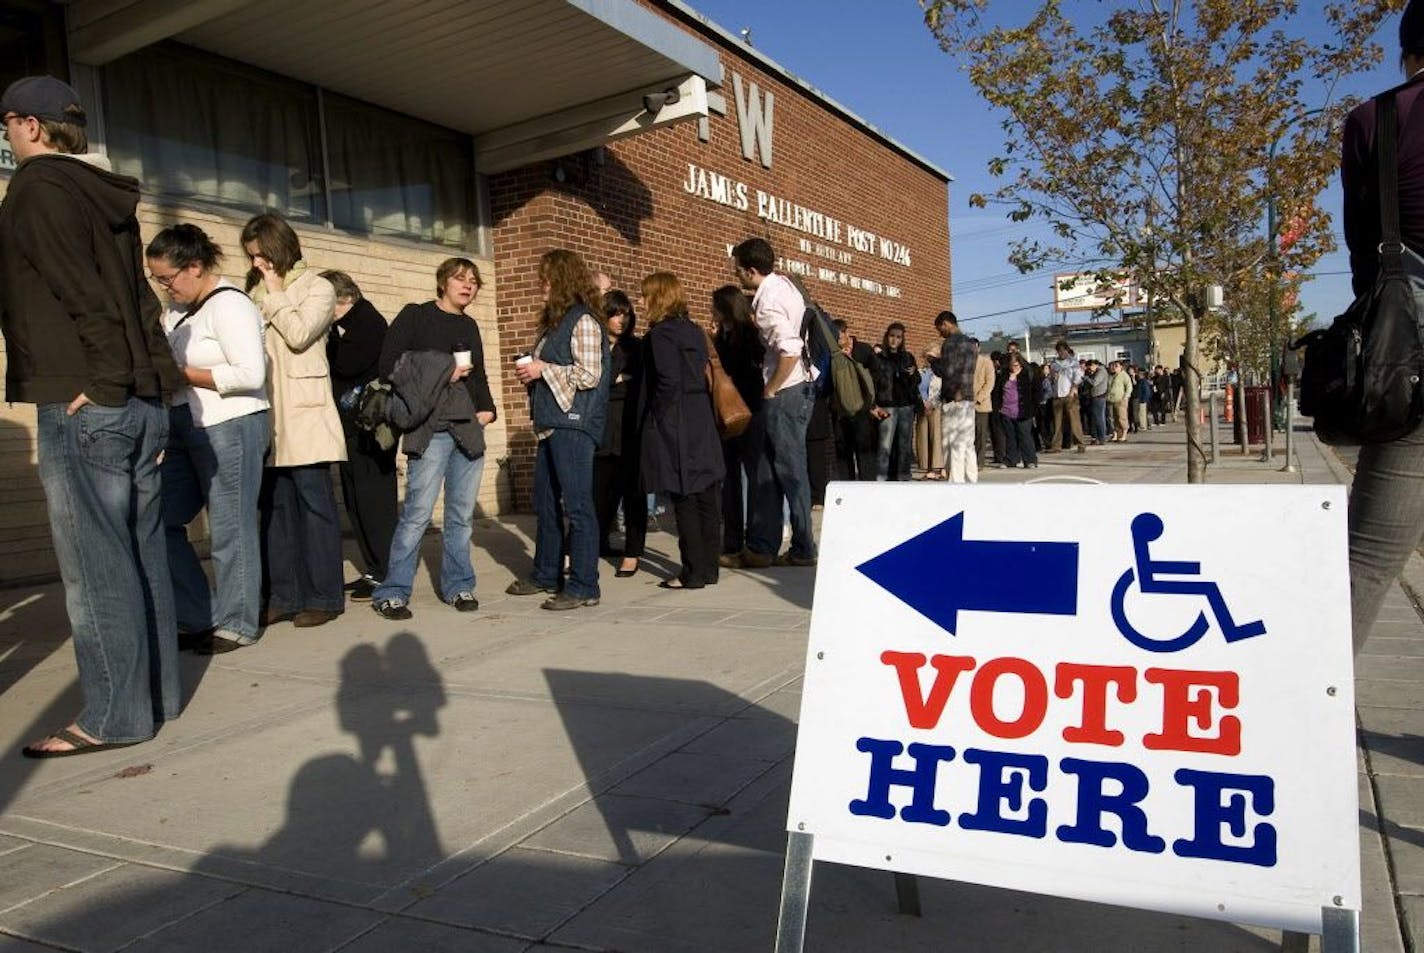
<point>236,401</point>
<point>959,410</point>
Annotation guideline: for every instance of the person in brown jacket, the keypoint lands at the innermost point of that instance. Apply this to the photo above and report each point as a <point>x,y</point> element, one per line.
<point>301,531</point>
<point>983,405</point>
<point>84,343</point>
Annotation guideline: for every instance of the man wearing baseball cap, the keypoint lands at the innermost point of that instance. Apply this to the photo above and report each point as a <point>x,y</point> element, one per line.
<point>84,343</point>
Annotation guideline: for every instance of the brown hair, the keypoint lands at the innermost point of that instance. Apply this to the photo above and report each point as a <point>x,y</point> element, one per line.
<point>570,283</point>
<point>451,267</point>
<point>67,137</point>
<point>663,297</point>
<point>275,241</point>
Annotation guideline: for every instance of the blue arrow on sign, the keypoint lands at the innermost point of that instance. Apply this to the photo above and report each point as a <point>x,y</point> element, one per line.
<point>939,574</point>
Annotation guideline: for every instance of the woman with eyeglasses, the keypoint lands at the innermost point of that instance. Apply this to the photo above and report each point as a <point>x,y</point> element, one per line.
<point>615,466</point>
<point>300,526</point>
<point>217,437</point>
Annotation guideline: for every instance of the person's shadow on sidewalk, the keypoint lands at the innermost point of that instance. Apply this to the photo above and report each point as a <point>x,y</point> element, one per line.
<point>338,802</point>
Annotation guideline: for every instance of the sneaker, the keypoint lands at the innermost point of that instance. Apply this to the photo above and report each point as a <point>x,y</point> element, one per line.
<point>465,601</point>
<point>565,601</point>
<point>526,587</point>
<point>787,559</point>
<point>361,590</point>
<point>393,609</point>
<point>1082,449</point>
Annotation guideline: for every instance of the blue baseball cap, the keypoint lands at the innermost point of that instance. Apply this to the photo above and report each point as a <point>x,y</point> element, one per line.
<point>43,97</point>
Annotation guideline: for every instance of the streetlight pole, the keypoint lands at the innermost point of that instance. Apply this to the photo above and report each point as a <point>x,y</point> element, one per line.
<point>1272,236</point>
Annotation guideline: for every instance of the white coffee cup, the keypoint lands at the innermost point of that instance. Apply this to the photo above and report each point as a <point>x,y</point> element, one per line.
<point>523,359</point>
<point>462,358</point>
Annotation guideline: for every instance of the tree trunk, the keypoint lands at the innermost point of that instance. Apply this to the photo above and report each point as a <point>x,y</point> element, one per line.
<point>1243,437</point>
<point>1191,383</point>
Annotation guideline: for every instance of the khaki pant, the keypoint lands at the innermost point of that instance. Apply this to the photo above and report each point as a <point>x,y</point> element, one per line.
<point>1066,420</point>
<point>1119,417</point>
<point>929,443</point>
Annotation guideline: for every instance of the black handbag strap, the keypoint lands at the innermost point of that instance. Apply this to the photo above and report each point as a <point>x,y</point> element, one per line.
<point>1391,248</point>
<point>198,305</point>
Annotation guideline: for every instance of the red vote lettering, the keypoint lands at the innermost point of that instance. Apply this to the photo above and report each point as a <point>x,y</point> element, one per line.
<point>925,711</point>
<point>1095,680</point>
<point>1035,704</point>
<point>1180,706</point>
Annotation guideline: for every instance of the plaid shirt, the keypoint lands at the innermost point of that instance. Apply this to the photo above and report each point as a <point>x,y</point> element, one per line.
<point>957,360</point>
<point>565,380</point>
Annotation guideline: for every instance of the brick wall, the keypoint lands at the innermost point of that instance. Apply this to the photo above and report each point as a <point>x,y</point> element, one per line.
<point>390,273</point>
<point>628,213</point>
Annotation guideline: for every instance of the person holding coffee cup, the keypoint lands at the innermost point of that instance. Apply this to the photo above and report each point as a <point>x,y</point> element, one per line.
<point>447,449</point>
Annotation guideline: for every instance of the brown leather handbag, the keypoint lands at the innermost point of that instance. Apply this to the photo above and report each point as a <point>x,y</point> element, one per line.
<point>731,411</point>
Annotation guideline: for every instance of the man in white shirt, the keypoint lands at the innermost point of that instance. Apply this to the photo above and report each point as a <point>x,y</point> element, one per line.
<point>787,402</point>
<point>1067,375</point>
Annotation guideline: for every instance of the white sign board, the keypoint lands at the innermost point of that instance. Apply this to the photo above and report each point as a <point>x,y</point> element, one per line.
<point>1088,292</point>
<point>1136,695</point>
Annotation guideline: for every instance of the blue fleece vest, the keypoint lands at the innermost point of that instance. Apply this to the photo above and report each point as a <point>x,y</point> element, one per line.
<point>590,407</point>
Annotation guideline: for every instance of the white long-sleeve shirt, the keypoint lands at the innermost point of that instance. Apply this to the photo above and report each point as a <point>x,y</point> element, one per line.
<point>224,337</point>
<point>779,310</point>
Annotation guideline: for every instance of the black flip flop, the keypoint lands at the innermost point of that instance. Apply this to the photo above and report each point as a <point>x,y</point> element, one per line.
<point>81,745</point>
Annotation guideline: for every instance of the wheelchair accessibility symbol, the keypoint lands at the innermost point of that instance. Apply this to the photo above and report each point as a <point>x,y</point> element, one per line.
<point>1148,574</point>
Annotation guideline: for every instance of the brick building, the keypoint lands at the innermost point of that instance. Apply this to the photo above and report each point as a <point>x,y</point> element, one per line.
<point>683,142</point>
<point>861,219</point>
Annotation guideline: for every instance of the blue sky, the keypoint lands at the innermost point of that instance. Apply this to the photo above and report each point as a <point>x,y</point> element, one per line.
<point>876,58</point>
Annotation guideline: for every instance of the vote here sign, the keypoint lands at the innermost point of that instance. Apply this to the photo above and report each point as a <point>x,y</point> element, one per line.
<point>1139,695</point>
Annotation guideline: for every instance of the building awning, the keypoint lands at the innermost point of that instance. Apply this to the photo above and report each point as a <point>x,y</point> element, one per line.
<point>528,79</point>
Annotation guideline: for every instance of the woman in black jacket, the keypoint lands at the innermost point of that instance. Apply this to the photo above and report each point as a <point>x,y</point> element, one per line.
<point>615,465</point>
<point>740,350</point>
<point>368,474</point>
<point>681,452</point>
<point>1015,402</point>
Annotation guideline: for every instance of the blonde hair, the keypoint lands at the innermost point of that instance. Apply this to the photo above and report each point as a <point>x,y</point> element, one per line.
<point>663,297</point>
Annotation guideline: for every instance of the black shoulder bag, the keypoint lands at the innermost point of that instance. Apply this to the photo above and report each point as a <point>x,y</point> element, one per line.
<point>1361,376</point>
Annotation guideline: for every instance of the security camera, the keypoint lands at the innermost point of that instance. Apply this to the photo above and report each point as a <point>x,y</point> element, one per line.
<point>654,102</point>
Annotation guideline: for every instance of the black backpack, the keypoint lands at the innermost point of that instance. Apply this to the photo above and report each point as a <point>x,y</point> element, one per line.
<point>1361,376</point>
<point>820,340</point>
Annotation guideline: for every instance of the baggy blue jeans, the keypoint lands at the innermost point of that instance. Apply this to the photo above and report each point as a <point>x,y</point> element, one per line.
<point>563,486</point>
<point>219,467</point>
<point>781,474</point>
<point>101,481</point>
<point>442,464</point>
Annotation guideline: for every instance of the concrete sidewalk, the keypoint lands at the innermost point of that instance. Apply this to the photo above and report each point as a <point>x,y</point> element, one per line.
<point>607,780</point>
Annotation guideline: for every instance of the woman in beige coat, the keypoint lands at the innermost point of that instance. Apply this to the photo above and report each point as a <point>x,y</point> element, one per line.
<point>301,532</point>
